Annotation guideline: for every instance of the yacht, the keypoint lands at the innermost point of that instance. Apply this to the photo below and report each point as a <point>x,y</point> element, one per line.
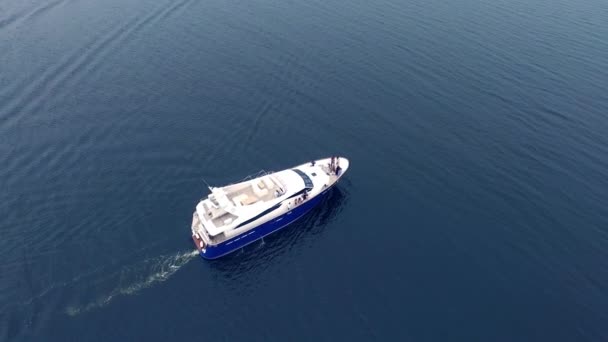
<point>235,215</point>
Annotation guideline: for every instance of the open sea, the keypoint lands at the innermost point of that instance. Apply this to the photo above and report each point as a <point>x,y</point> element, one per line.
<point>475,207</point>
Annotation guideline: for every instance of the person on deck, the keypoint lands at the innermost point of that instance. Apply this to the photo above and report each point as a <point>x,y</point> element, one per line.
<point>338,166</point>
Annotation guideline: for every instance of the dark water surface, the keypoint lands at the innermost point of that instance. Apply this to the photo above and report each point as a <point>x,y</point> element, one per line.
<point>475,209</point>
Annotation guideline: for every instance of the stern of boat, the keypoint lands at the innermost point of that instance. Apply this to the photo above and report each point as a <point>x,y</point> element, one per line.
<point>196,237</point>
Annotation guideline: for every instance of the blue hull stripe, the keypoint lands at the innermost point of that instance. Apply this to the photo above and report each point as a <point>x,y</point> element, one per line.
<point>238,242</point>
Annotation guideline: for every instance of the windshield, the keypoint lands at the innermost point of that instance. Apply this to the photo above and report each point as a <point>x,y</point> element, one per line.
<point>305,178</point>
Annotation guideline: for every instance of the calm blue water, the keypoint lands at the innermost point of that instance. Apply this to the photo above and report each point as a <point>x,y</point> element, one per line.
<point>475,209</point>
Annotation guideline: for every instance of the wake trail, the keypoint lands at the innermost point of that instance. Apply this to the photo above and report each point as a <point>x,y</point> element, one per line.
<point>134,278</point>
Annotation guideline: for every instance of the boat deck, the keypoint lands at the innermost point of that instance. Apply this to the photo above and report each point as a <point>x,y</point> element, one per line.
<point>242,194</point>
<point>256,191</point>
<point>332,175</point>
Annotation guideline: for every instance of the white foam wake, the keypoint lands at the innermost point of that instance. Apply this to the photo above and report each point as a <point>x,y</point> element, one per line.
<point>132,279</point>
